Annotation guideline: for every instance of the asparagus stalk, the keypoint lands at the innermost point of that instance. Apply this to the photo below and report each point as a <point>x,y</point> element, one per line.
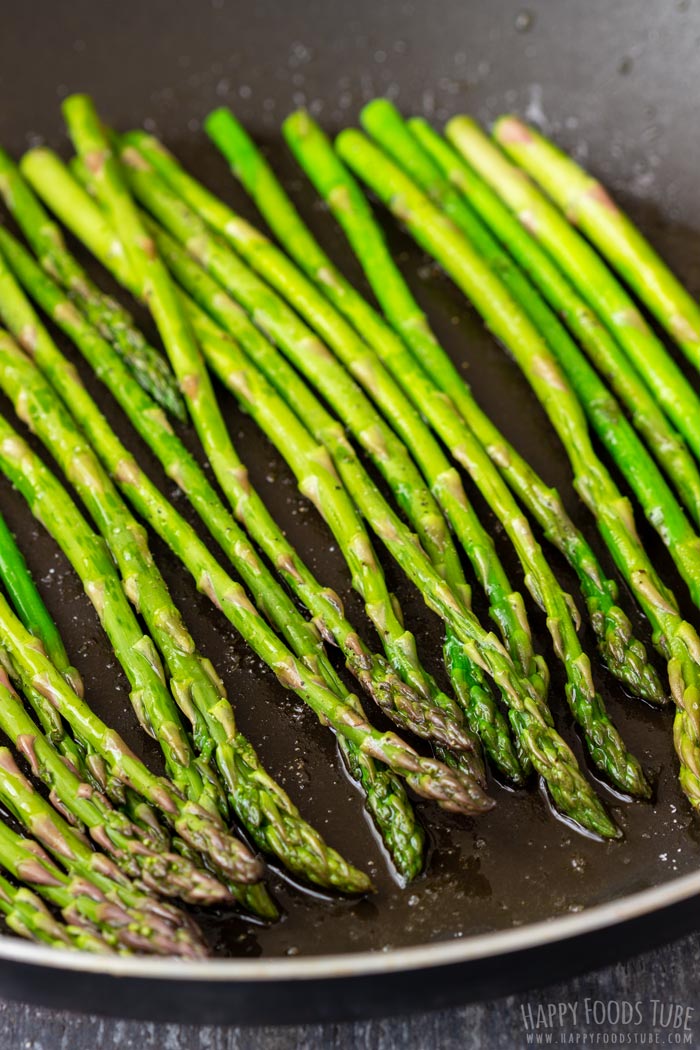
<point>595,284</point>
<point>110,251</point>
<point>343,393</point>
<point>588,205</point>
<point>398,642</point>
<point>435,232</point>
<point>569,789</point>
<point>602,349</point>
<point>27,915</point>
<point>624,654</point>
<point>148,365</point>
<point>134,850</point>
<point>628,659</point>
<point>318,159</point>
<point>79,211</point>
<point>318,480</point>
<point>386,798</point>
<point>550,755</point>
<point>400,646</point>
<point>558,757</point>
<point>658,502</point>
<point>160,928</point>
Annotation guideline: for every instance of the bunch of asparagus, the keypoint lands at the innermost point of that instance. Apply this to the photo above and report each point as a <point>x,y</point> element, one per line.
<point>517,314</point>
<point>532,721</point>
<point>329,379</point>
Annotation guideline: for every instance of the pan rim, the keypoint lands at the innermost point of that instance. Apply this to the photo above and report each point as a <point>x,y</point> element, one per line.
<point>530,936</point>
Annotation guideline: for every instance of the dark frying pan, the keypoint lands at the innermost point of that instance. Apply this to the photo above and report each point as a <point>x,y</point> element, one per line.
<point>515,898</point>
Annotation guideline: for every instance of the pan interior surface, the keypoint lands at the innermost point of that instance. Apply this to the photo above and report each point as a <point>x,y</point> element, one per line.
<point>619,100</point>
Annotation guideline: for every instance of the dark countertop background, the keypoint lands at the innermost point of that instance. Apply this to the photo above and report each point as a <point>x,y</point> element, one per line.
<point>668,974</point>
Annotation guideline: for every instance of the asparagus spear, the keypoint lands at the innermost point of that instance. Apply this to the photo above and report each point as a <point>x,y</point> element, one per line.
<point>27,915</point>
<point>311,466</point>
<point>192,676</point>
<point>605,354</point>
<point>596,285</point>
<point>624,654</point>
<point>270,406</point>
<point>506,605</point>
<point>161,929</point>
<point>346,397</point>
<point>587,204</point>
<point>135,851</point>
<point>661,508</point>
<point>550,755</point>
<point>569,789</point>
<point>148,365</point>
<point>35,616</point>
<point>317,157</point>
<point>435,231</point>
<point>255,397</point>
<point>127,916</point>
<point>367,576</point>
<point>370,669</point>
<point>386,797</point>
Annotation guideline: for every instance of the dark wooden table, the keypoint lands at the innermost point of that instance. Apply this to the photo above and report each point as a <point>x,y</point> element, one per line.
<point>661,986</point>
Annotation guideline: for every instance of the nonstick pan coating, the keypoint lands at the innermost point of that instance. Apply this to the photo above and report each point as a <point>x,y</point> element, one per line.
<point>612,82</point>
